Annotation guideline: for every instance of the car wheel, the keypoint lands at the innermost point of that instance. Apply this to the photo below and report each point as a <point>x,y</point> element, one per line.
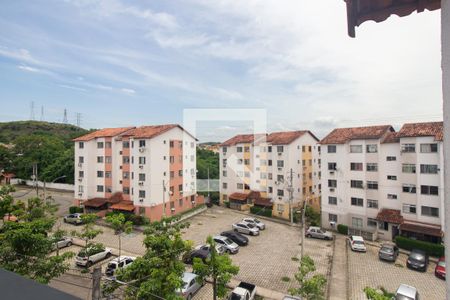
<point>64,220</point>
<point>108,255</point>
<point>69,244</point>
<point>308,235</point>
<point>89,264</point>
<point>189,297</point>
<point>228,251</point>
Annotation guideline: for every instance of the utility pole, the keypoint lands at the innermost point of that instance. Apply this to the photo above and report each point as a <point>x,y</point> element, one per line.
<point>96,279</point>
<point>35,178</point>
<point>291,195</point>
<point>303,225</point>
<point>164,199</point>
<point>209,197</point>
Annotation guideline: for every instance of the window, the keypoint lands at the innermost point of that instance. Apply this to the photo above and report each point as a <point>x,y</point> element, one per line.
<point>270,189</point>
<point>383,226</point>
<point>309,148</point>
<point>392,196</point>
<point>280,163</point>
<point>180,173</point>
<point>428,169</point>
<point>224,163</point>
<point>332,218</point>
<point>429,190</point>
<point>80,159</point>
<point>125,144</point>
<point>238,149</point>
<point>171,159</point>
<point>247,161</point>
<point>240,186</point>
<point>224,173</point>
<point>372,185</point>
<point>357,201</point>
<point>428,148</point>
<point>357,184</point>
<point>332,183</point>
<point>141,193</point>
<point>99,173</point>
<point>108,174</point>
<point>126,175</point>
<point>372,203</point>
<point>99,159</point>
<point>108,145</point>
<point>180,202</point>
<point>142,160</point>
<point>126,159</point>
<point>172,174</point>
<point>280,178</point>
<point>279,148</point>
<point>180,187</point>
<point>263,176</point>
<point>357,222</point>
<point>408,168</point>
<point>408,148</point>
<point>108,159</point>
<point>332,166</point>
<point>269,148</point>
<point>108,189</point>
<point>224,150</point>
<point>303,148</point>
<point>280,207</point>
<point>430,211</point>
<point>81,174</point>
<point>409,208</point>
<point>100,145</point>
<point>371,222</point>
<point>332,200</point>
<point>372,167</point>
<point>280,193</point>
<point>331,148</point>
<point>141,143</point>
<point>269,162</point>
<point>391,158</point>
<point>356,166</point>
<point>391,177</point>
<point>80,189</point>
<point>372,148</point>
<point>100,188</point>
<point>224,185</point>
<point>81,145</point>
<point>409,188</point>
<point>141,176</point>
<point>356,149</point>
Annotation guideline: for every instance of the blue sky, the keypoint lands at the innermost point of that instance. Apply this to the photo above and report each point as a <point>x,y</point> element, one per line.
<point>124,63</point>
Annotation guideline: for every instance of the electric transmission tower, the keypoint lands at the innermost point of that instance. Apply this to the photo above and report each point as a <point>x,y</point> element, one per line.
<point>32,111</point>
<point>65,116</point>
<point>42,113</point>
<point>78,119</point>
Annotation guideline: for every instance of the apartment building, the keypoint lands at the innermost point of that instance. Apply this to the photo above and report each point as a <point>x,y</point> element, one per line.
<point>383,183</point>
<point>257,170</point>
<point>148,170</point>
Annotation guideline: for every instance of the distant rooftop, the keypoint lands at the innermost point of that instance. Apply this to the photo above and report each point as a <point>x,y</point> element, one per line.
<point>344,135</point>
<point>274,138</point>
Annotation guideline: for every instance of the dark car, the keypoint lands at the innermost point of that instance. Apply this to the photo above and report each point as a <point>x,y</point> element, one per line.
<point>439,271</point>
<point>236,237</point>
<point>388,252</point>
<point>203,254</point>
<point>417,260</point>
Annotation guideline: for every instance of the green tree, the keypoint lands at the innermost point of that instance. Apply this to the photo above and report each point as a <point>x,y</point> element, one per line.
<point>219,267</point>
<point>311,287</point>
<point>6,159</point>
<point>120,225</point>
<point>207,159</point>
<point>158,273</point>
<point>374,294</point>
<point>89,232</point>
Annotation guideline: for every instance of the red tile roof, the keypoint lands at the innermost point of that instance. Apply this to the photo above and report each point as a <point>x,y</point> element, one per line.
<point>238,196</point>
<point>343,135</point>
<point>435,129</point>
<point>94,202</point>
<point>244,139</point>
<point>105,132</point>
<point>123,205</point>
<point>390,216</point>
<point>266,202</point>
<point>391,137</point>
<point>287,137</point>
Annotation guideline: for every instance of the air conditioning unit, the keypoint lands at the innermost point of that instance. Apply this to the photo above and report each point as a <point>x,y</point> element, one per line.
<point>141,200</point>
<point>280,169</point>
<point>181,192</point>
<point>80,194</point>
<point>120,152</point>
<point>332,189</point>
<point>80,179</point>
<point>331,172</point>
<point>80,165</point>
<point>141,183</point>
<point>279,153</point>
<point>141,166</point>
<point>172,209</point>
<point>153,204</point>
<point>141,150</point>
<point>280,198</point>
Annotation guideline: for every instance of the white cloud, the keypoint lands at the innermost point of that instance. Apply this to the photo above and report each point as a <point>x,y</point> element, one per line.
<point>128,91</point>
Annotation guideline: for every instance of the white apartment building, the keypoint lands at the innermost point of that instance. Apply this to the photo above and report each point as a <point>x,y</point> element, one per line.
<point>256,170</point>
<point>148,170</point>
<point>383,183</point>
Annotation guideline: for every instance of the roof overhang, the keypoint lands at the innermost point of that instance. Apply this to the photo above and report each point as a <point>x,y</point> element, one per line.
<point>359,11</point>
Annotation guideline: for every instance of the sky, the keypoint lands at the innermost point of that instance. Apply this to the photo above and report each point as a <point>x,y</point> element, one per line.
<point>125,62</point>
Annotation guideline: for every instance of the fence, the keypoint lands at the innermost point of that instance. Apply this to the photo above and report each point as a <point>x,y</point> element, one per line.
<point>48,185</point>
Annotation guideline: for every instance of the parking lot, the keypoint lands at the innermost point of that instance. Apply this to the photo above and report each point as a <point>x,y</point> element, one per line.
<point>365,269</point>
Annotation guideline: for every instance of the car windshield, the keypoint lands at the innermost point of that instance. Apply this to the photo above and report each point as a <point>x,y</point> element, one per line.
<point>358,242</point>
<point>228,241</point>
<point>257,221</point>
<point>417,256</point>
<point>387,249</point>
<point>111,266</point>
<point>250,225</point>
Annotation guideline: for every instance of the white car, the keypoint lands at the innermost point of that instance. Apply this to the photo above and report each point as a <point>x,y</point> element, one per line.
<point>118,263</point>
<point>255,222</point>
<point>64,241</point>
<point>405,291</point>
<point>219,248</point>
<point>230,246</point>
<point>357,243</point>
<point>246,228</point>
<point>87,257</point>
<point>190,286</point>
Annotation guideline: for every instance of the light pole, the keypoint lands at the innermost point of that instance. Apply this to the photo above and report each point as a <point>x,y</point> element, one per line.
<point>303,225</point>
<point>57,178</point>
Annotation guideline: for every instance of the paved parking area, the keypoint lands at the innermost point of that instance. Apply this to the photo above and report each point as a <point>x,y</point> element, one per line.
<point>365,269</point>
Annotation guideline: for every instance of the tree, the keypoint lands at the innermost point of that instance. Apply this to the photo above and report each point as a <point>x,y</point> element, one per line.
<point>311,287</point>
<point>89,232</point>
<point>374,294</point>
<point>219,267</point>
<point>120,225</point>
<point>158,273</point>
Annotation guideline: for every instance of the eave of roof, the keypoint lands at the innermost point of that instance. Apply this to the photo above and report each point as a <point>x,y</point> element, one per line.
<point>435,129</point>
<point>344,135</point>
<point>151,131</point>
<point>105,132</point>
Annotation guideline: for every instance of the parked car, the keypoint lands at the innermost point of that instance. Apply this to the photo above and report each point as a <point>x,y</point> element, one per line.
<point>256,222</point>
<point>246,228</point>
<point>73,219</point>
<point>318,233</point>
<point>88,256</point>
<point>118,263</point>
<point>289,297</point>
<point>219,248</point>
<point>236,237</point>
<point>439,271</point>
<point>203,254</point>
<point>417,260</point>
<point>406,292</point>
<point>190,285</point>
<point>64,241</point>
<point>357,243</point>
<point>244,291</point>
<point>230,246</point>
<point>388,252</point>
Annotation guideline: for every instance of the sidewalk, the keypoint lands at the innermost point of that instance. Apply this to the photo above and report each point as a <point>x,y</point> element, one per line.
<point>338,287</point>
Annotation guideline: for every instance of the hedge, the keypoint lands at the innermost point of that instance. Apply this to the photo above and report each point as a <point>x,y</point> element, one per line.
<point>266,212</point>
<point>135,219</point>
<point>343,229</point>
<point>226,203</point>
<point>431,249</point>
<point>75,209</point>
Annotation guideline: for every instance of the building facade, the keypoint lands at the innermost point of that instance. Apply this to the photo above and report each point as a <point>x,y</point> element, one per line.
<point>382,183</point>
<point>148,170</point>
<point>277,171</point>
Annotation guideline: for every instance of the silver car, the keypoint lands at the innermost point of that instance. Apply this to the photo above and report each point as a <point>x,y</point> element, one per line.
<point>190,285</point>
<point>318,233</point>
<point>65,241</point>
<point>73,219</point>
<point>246,228</point>
<point>219,248</point>
<point>230,246</point>
<point>255,222</point>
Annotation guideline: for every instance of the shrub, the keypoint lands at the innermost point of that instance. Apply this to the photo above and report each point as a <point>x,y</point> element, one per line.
<point>226,203</point>
<point>260,211</point>
<point>135,219</point>
<point>75,209</point>
<point>343,229</point>
<point>312,216</point>
<point>432,249</point>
